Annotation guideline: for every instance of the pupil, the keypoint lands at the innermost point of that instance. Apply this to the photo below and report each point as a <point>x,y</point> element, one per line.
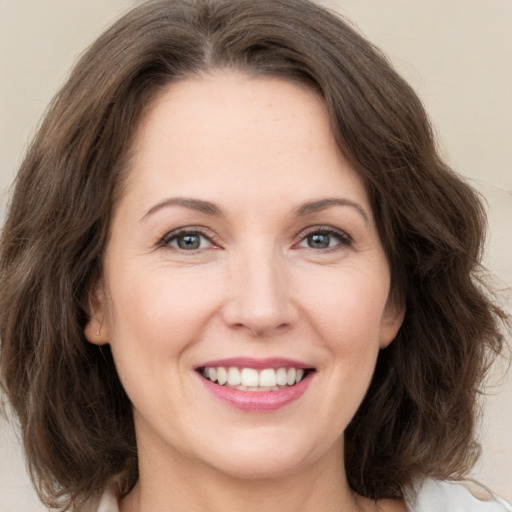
<point>318,241</point>
<point>189,242</point>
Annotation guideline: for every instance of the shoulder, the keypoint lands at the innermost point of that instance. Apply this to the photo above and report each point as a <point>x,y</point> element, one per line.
<point>426,496</point>
<point>106,503</point>
<point>453,496</point>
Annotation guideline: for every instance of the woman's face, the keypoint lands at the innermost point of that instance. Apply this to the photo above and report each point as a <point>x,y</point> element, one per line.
<point>244,248</point>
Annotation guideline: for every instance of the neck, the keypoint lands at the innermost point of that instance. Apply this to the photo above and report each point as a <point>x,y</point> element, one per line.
<point>181,484</point>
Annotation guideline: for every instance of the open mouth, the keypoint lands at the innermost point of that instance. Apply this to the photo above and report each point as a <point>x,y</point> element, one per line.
<point>251,379</point>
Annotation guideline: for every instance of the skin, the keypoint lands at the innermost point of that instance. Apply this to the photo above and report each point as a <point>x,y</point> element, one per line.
<point>259,150</point>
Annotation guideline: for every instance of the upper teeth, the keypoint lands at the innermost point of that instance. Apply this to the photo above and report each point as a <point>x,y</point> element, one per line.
<point>252,378</point>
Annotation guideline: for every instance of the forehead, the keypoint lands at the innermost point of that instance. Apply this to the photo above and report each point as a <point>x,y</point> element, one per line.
<point>207,134</point>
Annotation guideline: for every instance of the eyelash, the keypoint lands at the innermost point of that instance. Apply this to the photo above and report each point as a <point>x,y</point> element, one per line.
<point>166,240</point>
<point>343,238</point>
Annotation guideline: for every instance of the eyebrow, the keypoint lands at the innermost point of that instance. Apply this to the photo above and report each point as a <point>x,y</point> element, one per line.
<point>329,202</point>
<point>186,202</point>
<point>209,208</point>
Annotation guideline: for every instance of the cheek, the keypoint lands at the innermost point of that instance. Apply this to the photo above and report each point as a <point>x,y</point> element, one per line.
<point>155,320</point>
<point>156,312</point>
<point>347,306</point>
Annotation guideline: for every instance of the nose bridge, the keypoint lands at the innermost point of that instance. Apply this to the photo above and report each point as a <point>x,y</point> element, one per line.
<point>260,295</point>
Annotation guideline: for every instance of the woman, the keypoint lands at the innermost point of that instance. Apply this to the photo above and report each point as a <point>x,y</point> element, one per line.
<point>235,272</point>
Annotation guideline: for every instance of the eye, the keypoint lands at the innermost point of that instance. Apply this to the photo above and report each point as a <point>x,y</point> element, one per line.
<point>187,240</point>
<point>325,238</point>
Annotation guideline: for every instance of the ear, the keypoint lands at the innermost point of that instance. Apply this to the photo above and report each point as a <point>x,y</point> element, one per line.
<point>392,320</point>
<point>96,331</point>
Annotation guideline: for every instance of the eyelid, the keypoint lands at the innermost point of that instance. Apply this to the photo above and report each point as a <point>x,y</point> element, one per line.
<point>199,230</point>
<point>343,236</point>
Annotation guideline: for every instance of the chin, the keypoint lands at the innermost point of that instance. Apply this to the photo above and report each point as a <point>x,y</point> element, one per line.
<point>268,469</point>
<point>255,461</point>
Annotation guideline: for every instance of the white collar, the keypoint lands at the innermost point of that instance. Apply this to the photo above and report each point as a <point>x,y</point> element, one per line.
<point>425,496</point>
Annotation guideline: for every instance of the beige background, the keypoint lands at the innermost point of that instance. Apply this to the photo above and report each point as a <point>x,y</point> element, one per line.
<point>456,53</point>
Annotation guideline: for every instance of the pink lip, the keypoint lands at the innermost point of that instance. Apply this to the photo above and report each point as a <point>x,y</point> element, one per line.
<point>257,401</point>
<point>257,364</point>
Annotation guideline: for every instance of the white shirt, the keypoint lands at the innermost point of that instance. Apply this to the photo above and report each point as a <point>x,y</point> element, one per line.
<point>450,496</point>
<point>426,496</point>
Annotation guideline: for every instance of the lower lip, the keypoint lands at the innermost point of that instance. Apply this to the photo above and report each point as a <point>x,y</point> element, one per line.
<point>258,401</point>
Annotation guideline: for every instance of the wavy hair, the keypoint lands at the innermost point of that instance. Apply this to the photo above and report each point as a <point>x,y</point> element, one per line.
<point>418,417</point>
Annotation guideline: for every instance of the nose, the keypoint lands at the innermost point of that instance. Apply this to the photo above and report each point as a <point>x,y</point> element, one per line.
<point>260,298</point>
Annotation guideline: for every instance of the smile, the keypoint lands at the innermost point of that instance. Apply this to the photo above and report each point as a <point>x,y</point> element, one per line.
<point>251,379</point>
<point>256,385</point>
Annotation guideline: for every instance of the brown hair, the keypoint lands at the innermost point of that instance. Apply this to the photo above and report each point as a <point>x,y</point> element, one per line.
<point>418,417</point>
